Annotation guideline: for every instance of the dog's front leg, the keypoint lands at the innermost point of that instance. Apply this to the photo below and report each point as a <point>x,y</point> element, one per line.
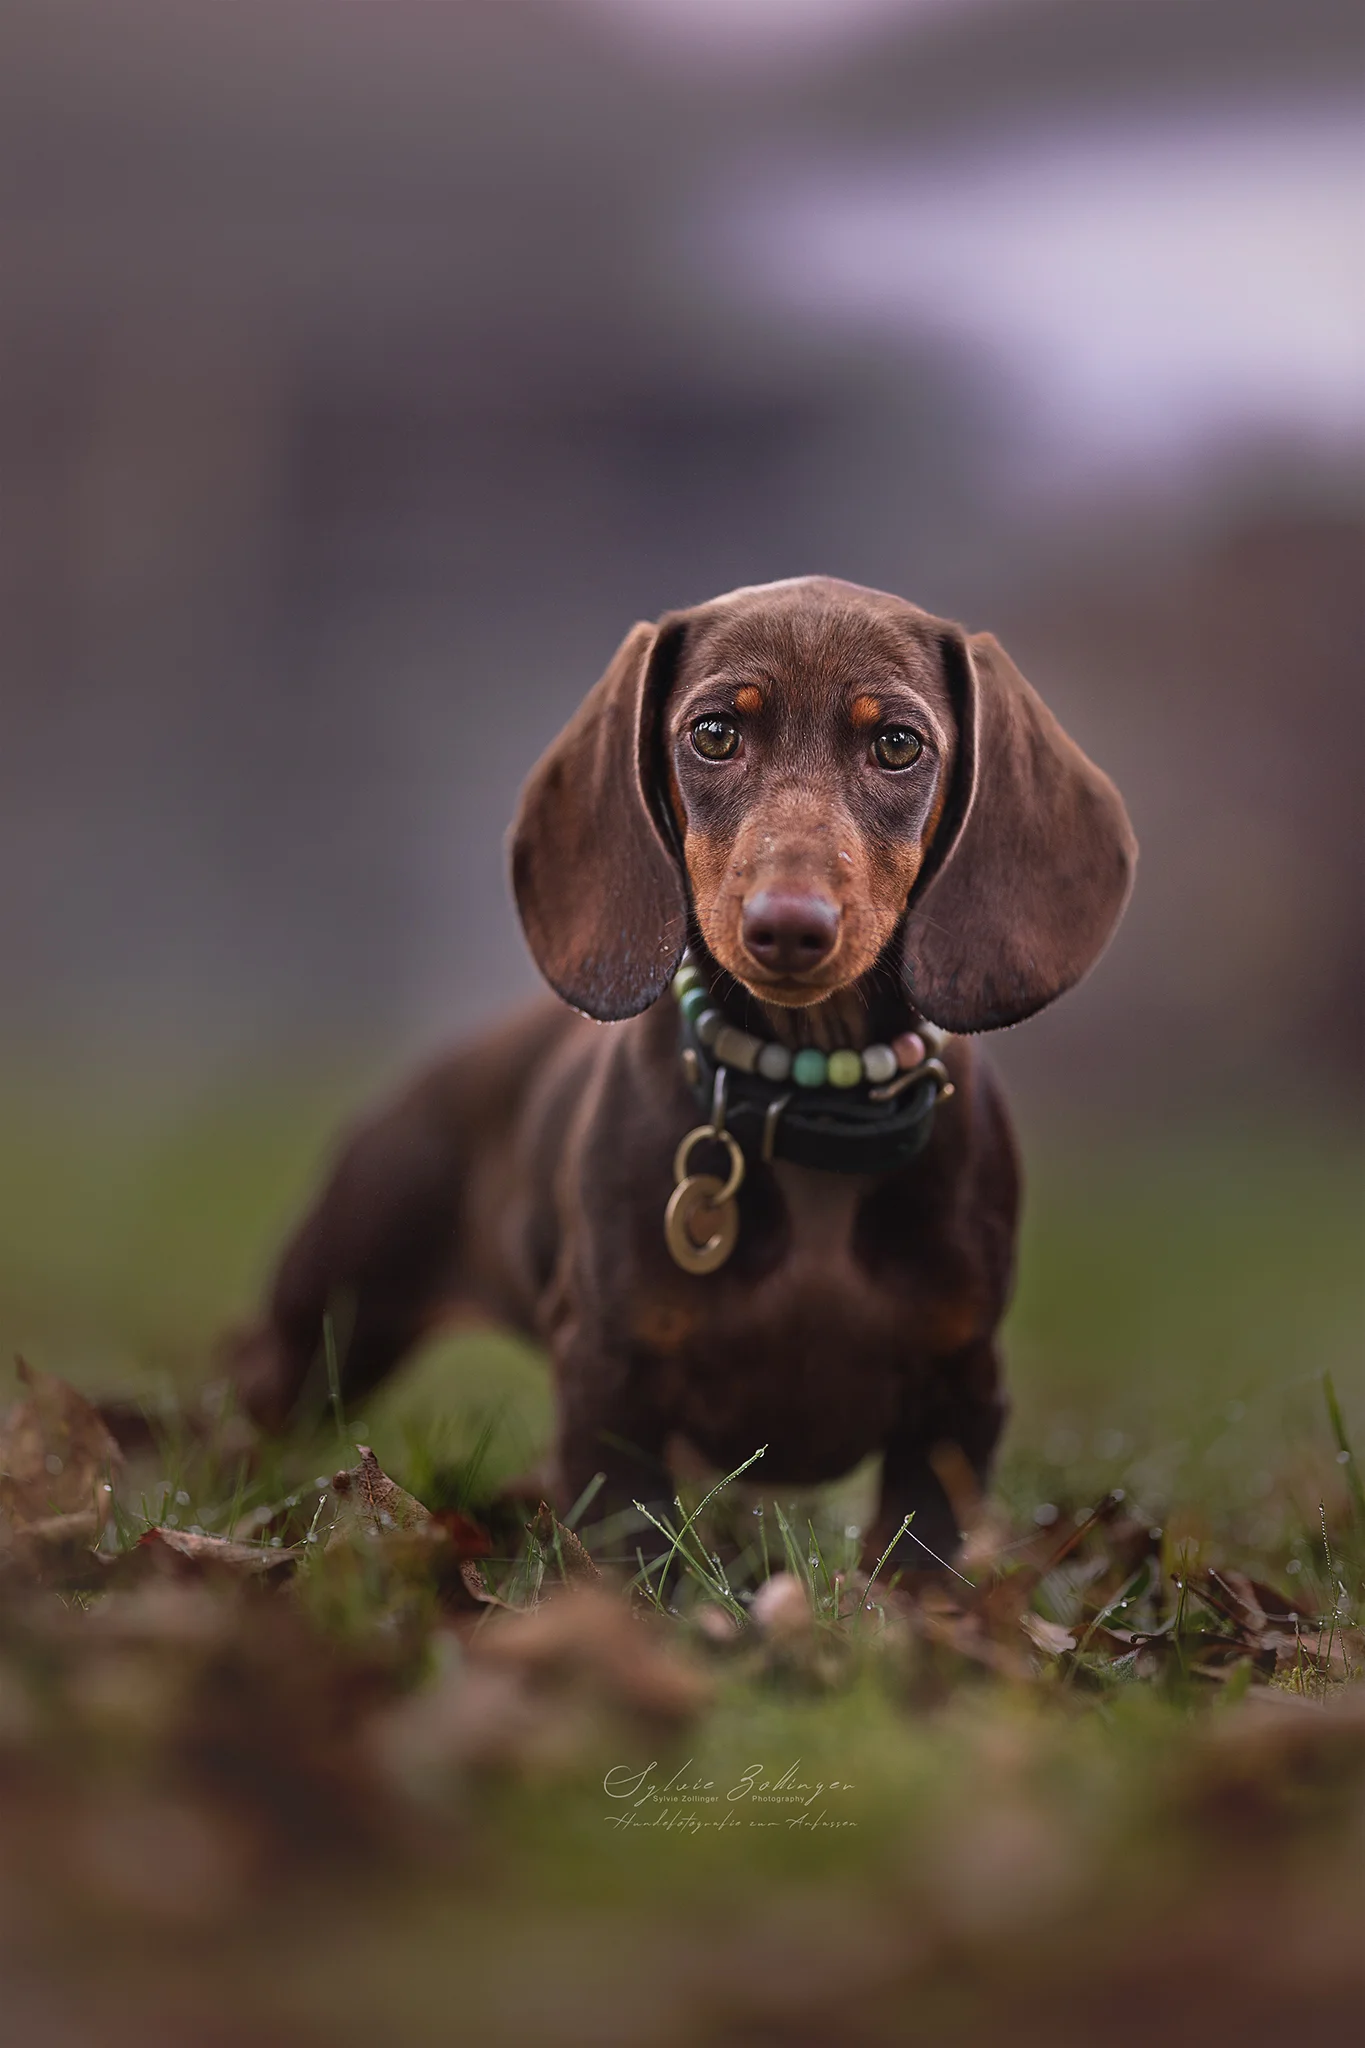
<point>611,1435</point>
<point>964,1425</point>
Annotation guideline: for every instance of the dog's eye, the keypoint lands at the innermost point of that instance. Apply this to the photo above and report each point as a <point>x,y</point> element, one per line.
<point>896,747</point>
<point>715,739</point>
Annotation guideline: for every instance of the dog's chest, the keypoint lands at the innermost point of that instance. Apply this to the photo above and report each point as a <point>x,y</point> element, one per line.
<point>796,1342</point>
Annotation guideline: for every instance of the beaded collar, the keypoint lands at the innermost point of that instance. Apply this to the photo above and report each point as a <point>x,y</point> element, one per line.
<point>843,1112</point>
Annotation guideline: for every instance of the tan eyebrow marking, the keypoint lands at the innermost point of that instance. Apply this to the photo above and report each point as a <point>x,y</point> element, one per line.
<point>749,699</point>
<point>865,711</point>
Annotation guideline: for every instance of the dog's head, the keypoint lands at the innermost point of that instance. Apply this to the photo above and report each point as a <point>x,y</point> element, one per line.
<point>826,777</point>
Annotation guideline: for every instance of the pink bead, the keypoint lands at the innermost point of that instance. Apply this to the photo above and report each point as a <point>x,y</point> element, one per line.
<point>909,1050</point>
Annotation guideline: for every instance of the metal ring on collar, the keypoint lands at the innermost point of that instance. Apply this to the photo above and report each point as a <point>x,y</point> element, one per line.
<point>694,1138</point>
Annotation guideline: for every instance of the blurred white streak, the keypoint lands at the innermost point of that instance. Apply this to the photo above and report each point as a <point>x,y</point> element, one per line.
<point>1142,289</point>
<point>749,31</point>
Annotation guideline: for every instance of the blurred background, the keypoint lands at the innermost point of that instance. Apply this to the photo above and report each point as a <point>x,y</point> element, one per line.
<point>366,370</point>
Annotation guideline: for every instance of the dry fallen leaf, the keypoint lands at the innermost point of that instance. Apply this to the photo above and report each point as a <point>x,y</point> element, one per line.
<point>192,1554</point>
<point>55,1456</point>
<point>981,1625</point>
<point>1047,1636</point>
<point>561,1549</point>
<point>442,1548</point>
<point>543,1688</point>
<point>371,1503</point>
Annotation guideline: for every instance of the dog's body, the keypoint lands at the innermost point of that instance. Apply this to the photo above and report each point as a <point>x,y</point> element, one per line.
<point>861,820</point>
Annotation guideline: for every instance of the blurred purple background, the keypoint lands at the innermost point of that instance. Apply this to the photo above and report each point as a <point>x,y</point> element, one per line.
<point>366,369</point>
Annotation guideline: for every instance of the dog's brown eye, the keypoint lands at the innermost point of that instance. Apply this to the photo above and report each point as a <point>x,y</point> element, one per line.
<point>715,739</point>
<point>896,747</point>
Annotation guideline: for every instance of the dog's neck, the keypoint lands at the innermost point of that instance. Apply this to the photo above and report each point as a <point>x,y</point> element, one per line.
<point>867,1012</point>
<point>842,1019</point>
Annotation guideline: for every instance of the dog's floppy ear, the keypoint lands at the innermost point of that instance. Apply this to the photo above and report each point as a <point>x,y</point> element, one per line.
<point>599,891</point>
<point>1032,862</point>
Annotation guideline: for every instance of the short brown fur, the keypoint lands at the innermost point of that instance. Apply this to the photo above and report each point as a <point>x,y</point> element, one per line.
<point>525,1177</point>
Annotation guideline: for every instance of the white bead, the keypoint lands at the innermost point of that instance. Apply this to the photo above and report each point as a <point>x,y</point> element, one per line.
<point>879,1062</point>
<point>934,1036</point>
<point>737,1049</point>
<point>707,1025</point>
<point>774,1062</point>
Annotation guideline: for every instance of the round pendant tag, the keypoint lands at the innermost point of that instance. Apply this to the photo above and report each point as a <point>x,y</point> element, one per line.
<point>699,1231</point>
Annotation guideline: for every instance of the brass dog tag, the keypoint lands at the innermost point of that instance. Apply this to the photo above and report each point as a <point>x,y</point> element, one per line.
<point>699,1230</point>
<point>701,1222</point>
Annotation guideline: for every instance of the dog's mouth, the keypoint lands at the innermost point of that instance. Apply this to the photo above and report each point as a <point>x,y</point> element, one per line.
<point>791,992</point>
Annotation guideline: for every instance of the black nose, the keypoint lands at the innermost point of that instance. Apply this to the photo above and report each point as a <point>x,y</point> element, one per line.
<point>787,932</point>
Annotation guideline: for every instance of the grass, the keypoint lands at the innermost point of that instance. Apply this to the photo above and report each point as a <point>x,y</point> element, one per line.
<point>1187,1336</point>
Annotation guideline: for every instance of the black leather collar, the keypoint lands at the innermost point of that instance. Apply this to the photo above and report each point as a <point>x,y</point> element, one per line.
<point>837,1130</point>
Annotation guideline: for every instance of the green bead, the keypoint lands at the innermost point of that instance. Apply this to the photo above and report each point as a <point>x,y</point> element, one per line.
<point>809,1068</point>
<point>686,978</point>
<point>693,1001</point>
<point>845,1069</point>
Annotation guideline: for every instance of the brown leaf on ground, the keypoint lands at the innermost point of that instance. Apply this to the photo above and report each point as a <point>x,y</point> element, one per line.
<point>415,1544</point>
<point>981,1625</point>
<point>595,1640</point>
<point>185,1720</point>
<point>561,1549</point>
<point>1047,1636</point>
<point>1271,1629</point>
<point>189,1554</point>
<point>984,1621</point>
<point>55,1456</point>
<point>58,1552</point>
<point>370,1503</point>
<point>471,1578</point>
<point>542,1689</point>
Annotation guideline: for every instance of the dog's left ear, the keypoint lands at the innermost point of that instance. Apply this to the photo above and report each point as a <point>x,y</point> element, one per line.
<point>1032,863</point>
<point>599,891</point>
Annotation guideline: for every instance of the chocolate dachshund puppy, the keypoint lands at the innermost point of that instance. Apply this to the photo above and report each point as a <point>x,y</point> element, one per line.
<point>796,847</point>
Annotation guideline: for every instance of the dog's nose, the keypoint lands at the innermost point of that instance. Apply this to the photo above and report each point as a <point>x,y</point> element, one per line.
<point>787,932</point>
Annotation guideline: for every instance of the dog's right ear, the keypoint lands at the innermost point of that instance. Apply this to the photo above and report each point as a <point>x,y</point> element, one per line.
<point>599,891</point>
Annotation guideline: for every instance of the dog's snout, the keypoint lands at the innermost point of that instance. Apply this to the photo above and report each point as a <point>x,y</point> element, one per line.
<point>789,932</point>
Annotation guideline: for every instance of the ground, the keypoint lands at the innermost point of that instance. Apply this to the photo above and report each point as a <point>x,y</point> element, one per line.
<point>1112,1788</point>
